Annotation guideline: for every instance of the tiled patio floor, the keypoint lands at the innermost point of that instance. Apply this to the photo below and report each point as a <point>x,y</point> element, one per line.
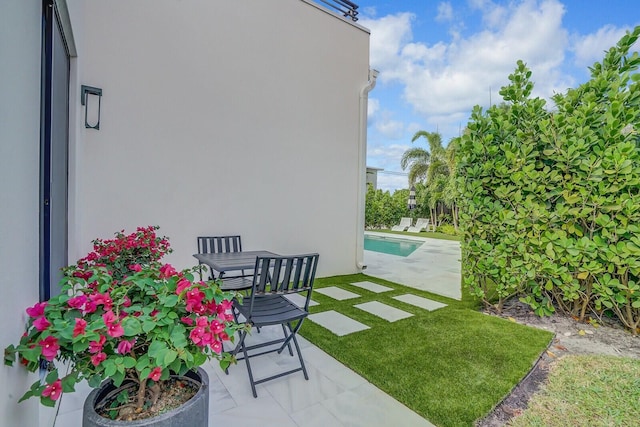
<point>334,396</point>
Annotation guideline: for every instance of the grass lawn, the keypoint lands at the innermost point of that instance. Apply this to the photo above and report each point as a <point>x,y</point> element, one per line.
<point>451,365</point>
<point>587,391</point>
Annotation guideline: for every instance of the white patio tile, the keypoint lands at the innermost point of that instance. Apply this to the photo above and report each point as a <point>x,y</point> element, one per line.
<point>368,406</point>
<point>261,412</point>
<point>337,323</point>
<point>315,416</point>
<point>373,287</point>
<point>299,300</point>
<point>421,302</point>
<point>293,393</point>
<point>69,419</point>
<point>336,293</point>
<point>384,311</point>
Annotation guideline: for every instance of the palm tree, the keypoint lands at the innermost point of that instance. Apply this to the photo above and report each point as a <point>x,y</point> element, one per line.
<point>428,166</point>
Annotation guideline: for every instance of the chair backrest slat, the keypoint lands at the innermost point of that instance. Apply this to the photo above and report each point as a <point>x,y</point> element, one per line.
<point>219,244</point>
<point>284,275</point>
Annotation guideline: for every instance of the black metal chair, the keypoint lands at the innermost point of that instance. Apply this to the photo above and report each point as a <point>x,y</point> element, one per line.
<point>275,277</point>
<point>224,244</point>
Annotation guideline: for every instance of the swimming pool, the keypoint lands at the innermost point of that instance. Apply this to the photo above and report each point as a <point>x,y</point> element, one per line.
<point>390,245</point>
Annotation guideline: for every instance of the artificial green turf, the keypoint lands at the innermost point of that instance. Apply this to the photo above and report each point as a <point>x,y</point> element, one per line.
<point>451,365</point>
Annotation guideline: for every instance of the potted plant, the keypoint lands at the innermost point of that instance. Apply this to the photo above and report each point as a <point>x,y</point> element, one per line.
<point>127,321</point>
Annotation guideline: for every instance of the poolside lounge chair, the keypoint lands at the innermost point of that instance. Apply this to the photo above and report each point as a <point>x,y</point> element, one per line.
<point>404,224</point>
<point>422,224</point>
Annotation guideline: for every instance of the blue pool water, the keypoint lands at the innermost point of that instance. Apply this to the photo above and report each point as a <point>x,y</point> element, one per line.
<point>390,245</point>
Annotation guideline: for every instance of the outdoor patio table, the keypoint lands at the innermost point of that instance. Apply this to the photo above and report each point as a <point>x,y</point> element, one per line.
<point>231,261</point>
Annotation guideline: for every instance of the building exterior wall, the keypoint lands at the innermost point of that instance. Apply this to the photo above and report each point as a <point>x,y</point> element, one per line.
<point>217,117</point>
<point>19,186</point>
<point>224,117</point>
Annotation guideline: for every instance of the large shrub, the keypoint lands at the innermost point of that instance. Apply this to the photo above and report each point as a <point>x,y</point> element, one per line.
<point>550,201</point>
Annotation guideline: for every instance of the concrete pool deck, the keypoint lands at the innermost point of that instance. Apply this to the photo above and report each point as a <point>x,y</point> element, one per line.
<point>433,267</point>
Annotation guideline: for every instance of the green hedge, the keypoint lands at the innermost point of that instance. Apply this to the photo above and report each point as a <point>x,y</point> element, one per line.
<point>550,200</point>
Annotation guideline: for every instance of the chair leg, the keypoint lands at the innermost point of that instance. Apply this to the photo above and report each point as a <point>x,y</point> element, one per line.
<point>286,335</point>
<point>304,368</point>
<point>246,359</point>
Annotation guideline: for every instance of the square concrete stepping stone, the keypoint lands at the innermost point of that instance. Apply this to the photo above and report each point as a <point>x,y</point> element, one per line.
<point>425,303</point>
<point>336,293</point>
<point>299,300</point>
<point>384,311</point>
<point>337,323</point>
<point>373,287</point>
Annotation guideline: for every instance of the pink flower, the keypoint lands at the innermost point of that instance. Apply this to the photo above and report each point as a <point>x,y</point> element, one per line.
<point>182,285</point>
<point>109,317</point>
<point>102,299</point>
<point>155,373</point>
<point>126,301</point>
<point>217,327</point>
<point>41,323</point>
<point>167,270</point>
<point>90,307</point>
<point>50,347</point>
<point>135,267</point>
<point>96,359</point>
<point>194,300</point>
<point>216,346</point>
<point>125,346</point>
<point>115,330</point>
<point>187,320</point>
<point>80,327</point>
<point>96,346</point>
<point>37,310</point>
<point>77,302</point>
<point>53,391</point>
<point>202,321</point>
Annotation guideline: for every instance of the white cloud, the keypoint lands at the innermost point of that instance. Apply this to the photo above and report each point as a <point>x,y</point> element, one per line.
<point>447,79</point>
<point>591,47</point>
<point>372,107</point>
<point>389,128</point>
<point>445,12</point>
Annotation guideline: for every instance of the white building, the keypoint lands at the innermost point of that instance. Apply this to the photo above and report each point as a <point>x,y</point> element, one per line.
<point>215,117</point>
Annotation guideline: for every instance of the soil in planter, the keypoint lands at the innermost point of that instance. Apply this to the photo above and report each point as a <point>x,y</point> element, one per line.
<point>173,393</point>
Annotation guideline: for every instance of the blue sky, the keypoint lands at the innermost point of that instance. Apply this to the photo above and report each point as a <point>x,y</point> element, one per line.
<point>439,59</point>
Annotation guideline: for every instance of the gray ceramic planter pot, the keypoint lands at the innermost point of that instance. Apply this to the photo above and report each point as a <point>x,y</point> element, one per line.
<point>194,413</point>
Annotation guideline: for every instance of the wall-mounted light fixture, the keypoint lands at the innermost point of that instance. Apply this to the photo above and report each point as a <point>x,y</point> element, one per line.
<point>85,91</point>
<point>411,204</point>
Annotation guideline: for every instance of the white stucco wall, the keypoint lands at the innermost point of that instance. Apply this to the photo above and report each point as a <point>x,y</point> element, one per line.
<point>223,118</point>
<point>19,175</point>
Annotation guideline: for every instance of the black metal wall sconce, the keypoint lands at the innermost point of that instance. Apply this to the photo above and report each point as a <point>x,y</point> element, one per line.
<point>85,91</point>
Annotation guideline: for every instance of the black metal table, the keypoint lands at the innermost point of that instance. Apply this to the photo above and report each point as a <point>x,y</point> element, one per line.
<point>231,261</point>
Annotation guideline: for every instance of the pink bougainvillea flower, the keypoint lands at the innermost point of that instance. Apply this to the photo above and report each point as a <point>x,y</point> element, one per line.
<point>182,285</point>
<point>77,302</point>
<point>90,307</point>
<point>37,310</point>
<point>135,267</point>
<point>194,300</point>
<point>156,373</point>
<point>126,301</point>
<point>217,327</point>
<point>41,323</point>
<point>109,317</point>
<point>98,358</point>
<point>125,346</point>
<point>80,327</point>
<point>187,320</point>
<point>96,346</point>
<point>216,346</point>
<point>202,321</point>
<point>53,391</point>
<point>50,347</point>
<point>153,313</point>
<point>102,299</point>
<point>167,270</point>
<point>115,330</point>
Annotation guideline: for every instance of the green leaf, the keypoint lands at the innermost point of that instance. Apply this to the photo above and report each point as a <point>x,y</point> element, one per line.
<point>129,362</point>
<point>148,326</point>
<point>171,301</point>
<point>132,326</point>
<point>157,349</point>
